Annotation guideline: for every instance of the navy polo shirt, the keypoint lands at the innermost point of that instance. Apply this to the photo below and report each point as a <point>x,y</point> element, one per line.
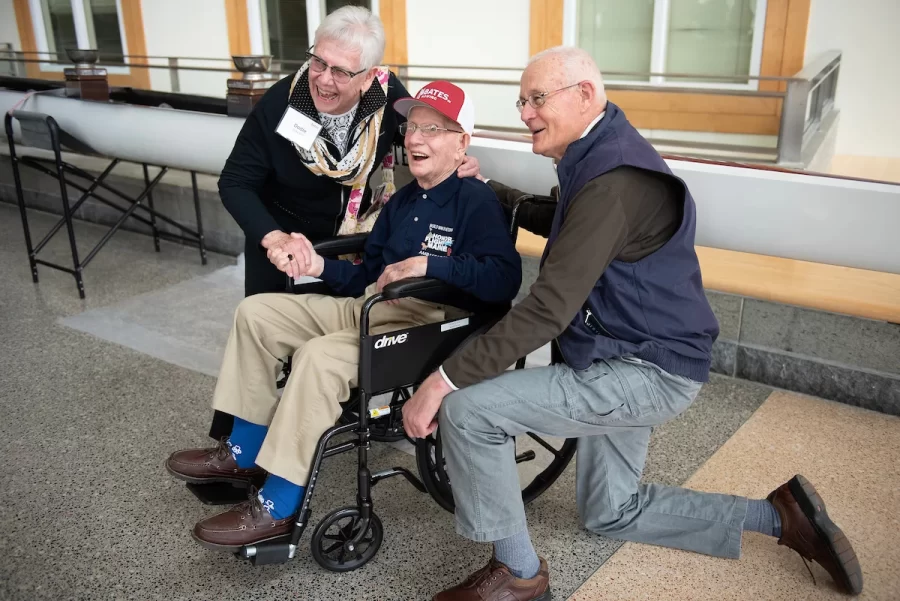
<point>459,225</point>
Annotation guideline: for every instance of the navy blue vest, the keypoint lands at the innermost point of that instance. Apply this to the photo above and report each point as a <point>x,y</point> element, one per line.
<point>655,308</point>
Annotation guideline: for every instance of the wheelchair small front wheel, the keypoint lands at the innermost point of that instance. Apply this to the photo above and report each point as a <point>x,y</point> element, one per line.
<point>330,541</point>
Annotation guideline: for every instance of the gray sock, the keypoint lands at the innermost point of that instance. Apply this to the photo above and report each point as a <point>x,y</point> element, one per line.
<point>517,553</point>
<point>762,517</point>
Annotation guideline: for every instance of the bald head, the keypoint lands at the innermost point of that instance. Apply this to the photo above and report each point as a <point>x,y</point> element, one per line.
<point>570,65</point>
<point>567,89</point>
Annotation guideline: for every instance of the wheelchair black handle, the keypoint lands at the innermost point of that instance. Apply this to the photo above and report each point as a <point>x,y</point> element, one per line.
<point>341,245</point>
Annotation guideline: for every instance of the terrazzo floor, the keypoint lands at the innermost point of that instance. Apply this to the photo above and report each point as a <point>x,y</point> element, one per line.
<point>851,455</point>
<point>90,513</point>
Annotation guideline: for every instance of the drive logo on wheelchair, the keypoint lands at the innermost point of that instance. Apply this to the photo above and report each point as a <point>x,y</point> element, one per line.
<point>386,341</point>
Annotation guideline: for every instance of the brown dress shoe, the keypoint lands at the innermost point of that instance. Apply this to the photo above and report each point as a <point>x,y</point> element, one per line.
<point>807,529</point>
<point>212,464</point>
<point>248,523</point>
<point>494,582</point>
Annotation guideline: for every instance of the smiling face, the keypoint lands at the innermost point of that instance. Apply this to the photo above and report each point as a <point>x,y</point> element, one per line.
<point>433,158</point>
<point>328,95</point>
<point>560,121</point>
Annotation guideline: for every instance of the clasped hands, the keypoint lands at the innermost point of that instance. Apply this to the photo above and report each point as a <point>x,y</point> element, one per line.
<point>294,255</point>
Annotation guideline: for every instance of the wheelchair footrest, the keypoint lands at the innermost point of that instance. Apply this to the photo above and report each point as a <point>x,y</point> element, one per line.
<point>219,493</point>
<point>270,553</point>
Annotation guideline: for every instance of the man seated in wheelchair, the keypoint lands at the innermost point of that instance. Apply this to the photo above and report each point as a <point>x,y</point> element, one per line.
<point>441,225</point>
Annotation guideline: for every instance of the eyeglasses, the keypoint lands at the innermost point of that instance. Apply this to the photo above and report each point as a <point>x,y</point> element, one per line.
<point>430,130</point>
<point>339,74</point>
<point>537,100</point>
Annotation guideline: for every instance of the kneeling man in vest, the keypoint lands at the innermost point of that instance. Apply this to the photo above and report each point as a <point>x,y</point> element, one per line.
<point>441,225</point>
<point>620,293</point>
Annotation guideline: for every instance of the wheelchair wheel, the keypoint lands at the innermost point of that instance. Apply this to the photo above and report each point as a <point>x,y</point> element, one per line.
<point>555,454</point>
<point>329,540</point>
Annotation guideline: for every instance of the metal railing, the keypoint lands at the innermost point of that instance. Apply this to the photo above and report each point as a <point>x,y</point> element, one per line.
<point>808,109</point>
<point>8,63</point>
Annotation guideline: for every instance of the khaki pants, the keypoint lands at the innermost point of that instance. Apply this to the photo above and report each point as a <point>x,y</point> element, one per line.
<point>322,335</point>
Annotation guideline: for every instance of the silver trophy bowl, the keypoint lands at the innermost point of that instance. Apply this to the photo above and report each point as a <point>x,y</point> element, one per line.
<point>253,66</point>
<point>83,59</point>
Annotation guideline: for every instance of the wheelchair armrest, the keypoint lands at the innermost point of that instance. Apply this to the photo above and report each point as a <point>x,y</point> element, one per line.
<point>414,286</point>
<point>341,245</point>
<point>440,292</point>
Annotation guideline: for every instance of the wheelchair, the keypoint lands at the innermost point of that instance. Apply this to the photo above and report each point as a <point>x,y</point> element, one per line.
<point>394,363</point>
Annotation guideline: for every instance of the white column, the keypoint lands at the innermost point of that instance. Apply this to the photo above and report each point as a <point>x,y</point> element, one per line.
<point>759,30</point>
<point>81,27</point>
<point>122,29</point>
<point>570,23</point>
<point>660,40</point>
<point>315,10</point>
<point>254,23</point>
<point>40,31</point>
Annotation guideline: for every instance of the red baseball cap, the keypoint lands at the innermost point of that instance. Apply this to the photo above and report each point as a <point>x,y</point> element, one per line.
<point>446,98</point>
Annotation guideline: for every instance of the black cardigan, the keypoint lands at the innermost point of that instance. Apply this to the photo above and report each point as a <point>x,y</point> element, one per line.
<point>266,187</point>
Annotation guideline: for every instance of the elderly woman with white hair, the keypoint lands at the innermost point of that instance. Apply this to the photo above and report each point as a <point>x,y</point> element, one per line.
<point>305,159</point>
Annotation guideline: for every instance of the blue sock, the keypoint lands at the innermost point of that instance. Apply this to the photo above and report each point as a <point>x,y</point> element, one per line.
<point>280,497</point>
<point>517,553</point>
<point>245,442</point>
<point>762,517</point>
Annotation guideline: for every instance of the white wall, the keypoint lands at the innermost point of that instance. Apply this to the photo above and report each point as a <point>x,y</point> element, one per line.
<point>479,33</point>
<point>195,28</point>
<point>868,33</point>
<point>9,32</point>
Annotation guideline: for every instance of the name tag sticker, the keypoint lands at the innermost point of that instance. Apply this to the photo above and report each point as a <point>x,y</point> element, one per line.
<point>298,128</point>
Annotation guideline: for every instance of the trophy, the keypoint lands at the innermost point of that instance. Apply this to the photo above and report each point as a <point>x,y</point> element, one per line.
<point>85,80</point>
<point>244,93</point>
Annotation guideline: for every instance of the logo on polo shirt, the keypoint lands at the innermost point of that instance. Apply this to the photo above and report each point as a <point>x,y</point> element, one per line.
<point>438,240</point>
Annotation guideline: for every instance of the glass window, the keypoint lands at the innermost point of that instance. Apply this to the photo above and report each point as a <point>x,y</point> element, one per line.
<point>60,26</point>
<point>710,38</point>
<point>701,37</point>
<point>333,5</point>
<point>103,29</point>
<point>619,35</point>
<point>285,26</point>
<point>285,29</point>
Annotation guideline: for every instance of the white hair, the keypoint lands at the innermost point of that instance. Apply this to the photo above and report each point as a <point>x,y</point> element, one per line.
<point>357,28</point>
<point>576,64</point>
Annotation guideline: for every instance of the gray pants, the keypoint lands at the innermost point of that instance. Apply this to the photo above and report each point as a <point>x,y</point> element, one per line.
<point>610,407</point>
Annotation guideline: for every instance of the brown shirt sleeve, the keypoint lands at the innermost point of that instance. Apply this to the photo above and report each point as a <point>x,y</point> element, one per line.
<point>626,214</point>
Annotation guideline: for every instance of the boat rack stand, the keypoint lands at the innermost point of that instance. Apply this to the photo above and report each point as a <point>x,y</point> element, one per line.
<point>41,131</point>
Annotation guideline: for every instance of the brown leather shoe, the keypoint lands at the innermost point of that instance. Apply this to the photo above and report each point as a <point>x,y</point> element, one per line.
<point>807,529</point>
<point>494,582</point>
<point>248,523</point>
<point>212,464</point>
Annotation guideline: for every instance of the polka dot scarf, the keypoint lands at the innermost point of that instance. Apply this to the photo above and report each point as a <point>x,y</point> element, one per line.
<point>353,167</point>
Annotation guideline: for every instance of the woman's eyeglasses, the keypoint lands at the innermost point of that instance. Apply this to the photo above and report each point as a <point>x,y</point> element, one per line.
<point>339,74</point>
